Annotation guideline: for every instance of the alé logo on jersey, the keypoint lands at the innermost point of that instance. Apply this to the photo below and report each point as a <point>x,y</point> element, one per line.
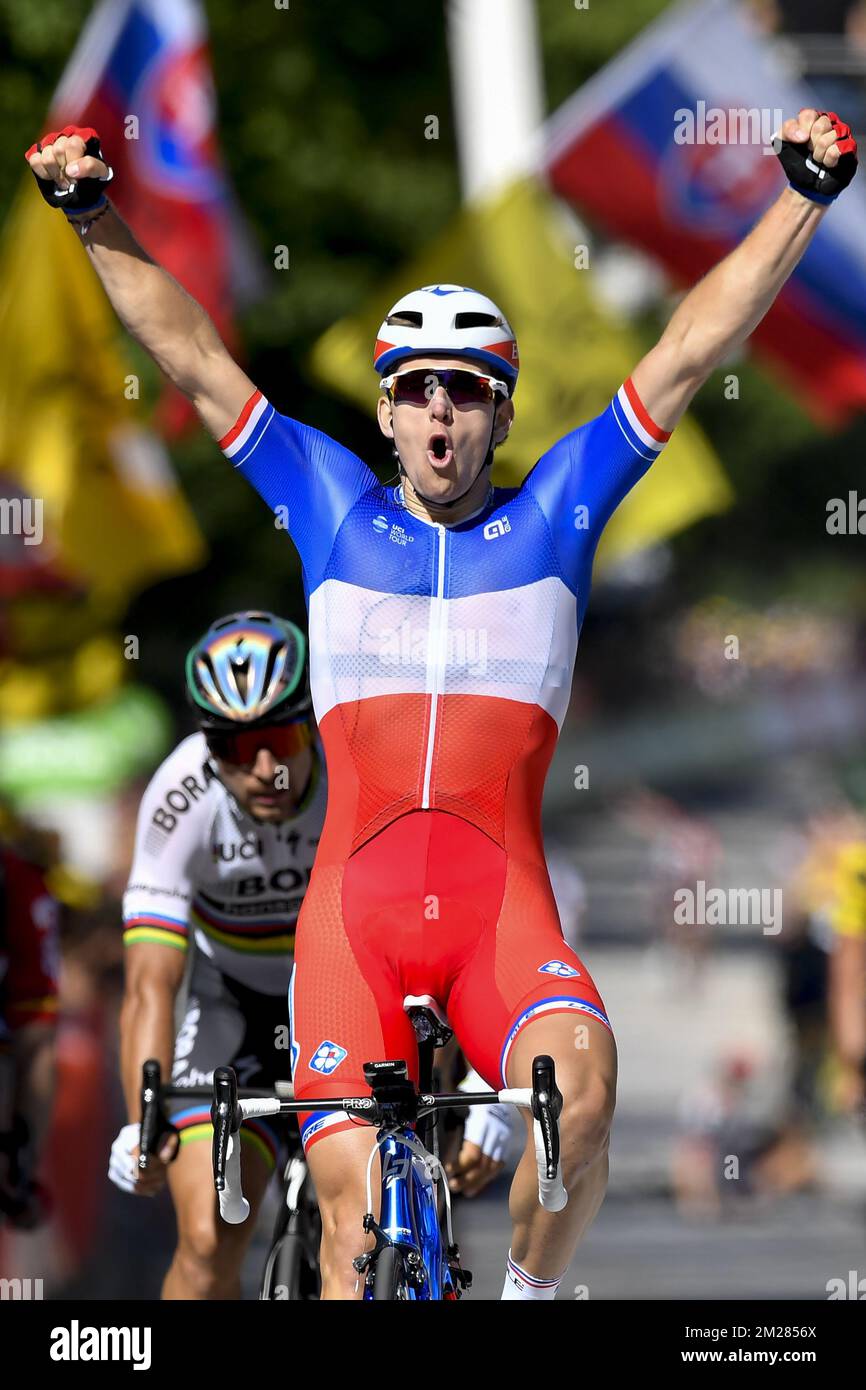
<point>499,527</point>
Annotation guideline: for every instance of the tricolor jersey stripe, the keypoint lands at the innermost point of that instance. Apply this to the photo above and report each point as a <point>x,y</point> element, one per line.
<point>563,1003</point>
<point>156,929</point>
<point>263,937</point>
<point>641,431</point>
<point>324,1122</point>
<point>248,429</point>
<point>195,1124</point>
<point>520,1276</point>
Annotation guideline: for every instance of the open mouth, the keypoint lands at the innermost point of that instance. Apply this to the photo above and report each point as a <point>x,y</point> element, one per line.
<point>439,449</point>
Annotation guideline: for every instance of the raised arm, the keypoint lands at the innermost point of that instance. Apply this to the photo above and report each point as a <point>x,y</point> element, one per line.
<point>170,325</point>
<point>726,306</point>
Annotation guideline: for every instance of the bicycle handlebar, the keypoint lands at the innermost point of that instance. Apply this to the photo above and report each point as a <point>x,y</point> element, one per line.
<point>153,1117</point>
<point>227,1116</point>
<point>228,1112</point>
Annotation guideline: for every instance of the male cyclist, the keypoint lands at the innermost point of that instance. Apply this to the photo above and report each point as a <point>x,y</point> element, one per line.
<point>226,836</point>
<point>430,876</point>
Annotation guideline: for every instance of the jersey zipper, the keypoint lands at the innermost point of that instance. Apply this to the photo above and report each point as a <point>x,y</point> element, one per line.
<point>435,661</point>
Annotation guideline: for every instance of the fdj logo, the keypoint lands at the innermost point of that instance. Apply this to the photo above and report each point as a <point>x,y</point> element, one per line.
<point>496,528</point>
<point>558,967</point>
<point>327,1057</point>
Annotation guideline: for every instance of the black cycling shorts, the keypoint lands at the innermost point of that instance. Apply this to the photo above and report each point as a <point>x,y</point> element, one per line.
<point>227,1024</point>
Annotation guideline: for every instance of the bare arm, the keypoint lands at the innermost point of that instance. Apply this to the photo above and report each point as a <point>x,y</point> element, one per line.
<point>153,976</point>
<point>730,301</point>
<point>170,325</point>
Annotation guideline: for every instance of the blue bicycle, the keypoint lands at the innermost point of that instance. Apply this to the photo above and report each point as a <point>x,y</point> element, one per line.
<point>414,1255</point>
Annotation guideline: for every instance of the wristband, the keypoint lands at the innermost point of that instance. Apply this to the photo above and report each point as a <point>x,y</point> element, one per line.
<point>84,195</point>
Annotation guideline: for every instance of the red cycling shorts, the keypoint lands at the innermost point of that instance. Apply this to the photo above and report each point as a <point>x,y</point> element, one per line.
<point>429,906</point>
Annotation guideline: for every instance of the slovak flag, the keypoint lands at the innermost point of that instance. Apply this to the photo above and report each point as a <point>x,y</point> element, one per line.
<point>668,147</point>
<point>140,75</point>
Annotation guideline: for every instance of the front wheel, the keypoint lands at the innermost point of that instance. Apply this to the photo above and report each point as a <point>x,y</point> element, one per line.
<point>389,1279</point>
<point>283,1274</point>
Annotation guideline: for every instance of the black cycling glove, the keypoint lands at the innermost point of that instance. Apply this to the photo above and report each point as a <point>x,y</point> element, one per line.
<point>811,179</point>
<point>86,195</point>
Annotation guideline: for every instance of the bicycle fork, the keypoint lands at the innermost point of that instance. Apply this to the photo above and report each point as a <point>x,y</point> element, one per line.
<point>409,1220</point>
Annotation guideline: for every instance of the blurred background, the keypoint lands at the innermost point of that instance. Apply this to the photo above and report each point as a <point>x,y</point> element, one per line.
<point>296,171</point>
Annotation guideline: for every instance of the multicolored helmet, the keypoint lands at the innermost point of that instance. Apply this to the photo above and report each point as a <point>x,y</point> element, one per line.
<point>452,320</point>
<point>249,669</point>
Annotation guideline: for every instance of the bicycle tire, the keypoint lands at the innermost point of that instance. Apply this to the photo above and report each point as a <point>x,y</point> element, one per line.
<point>285,1270</point>
<point>389,1279</point>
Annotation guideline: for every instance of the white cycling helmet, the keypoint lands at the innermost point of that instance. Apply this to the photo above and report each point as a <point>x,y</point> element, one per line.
<point>450,319</point>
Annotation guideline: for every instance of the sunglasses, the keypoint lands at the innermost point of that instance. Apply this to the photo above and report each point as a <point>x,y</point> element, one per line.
<point>419,385</point>
<point>243,747</point>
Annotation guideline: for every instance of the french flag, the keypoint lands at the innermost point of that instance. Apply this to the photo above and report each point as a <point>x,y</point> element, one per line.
<point>611,150</point>
<point>140,75</point>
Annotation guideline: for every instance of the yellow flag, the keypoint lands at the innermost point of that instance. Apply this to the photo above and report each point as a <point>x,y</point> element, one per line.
<point>573,357</point>
<point>70,428</point>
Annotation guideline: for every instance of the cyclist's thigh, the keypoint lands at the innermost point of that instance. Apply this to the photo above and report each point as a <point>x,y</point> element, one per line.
<point>339,1172</point>
<point>199,1224</point>
<point>583,1049</point>
<point>346,999</point>
<point>522,970</point>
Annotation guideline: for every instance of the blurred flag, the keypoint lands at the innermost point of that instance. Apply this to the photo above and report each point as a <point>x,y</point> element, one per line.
<point>573,356</point>
<point>91,512</point>
<point>112,517</point>
<point>140,75</point>
<point>611,150</point>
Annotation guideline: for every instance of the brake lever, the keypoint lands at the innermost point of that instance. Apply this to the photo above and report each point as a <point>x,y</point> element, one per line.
<point>226,1120</point>
<point>546,1109</point>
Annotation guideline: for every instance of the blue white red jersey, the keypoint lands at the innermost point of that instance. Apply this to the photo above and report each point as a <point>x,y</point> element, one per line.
<point>442,656</point>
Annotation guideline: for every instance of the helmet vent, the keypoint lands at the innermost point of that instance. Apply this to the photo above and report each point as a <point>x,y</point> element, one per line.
<point>273,655</point>
<point>472,319</point>
<point>241,673</point>
<point>410,318</point>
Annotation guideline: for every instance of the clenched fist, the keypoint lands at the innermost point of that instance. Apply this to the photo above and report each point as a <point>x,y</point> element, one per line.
<point>818,153</point>
<point>70,170</point>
